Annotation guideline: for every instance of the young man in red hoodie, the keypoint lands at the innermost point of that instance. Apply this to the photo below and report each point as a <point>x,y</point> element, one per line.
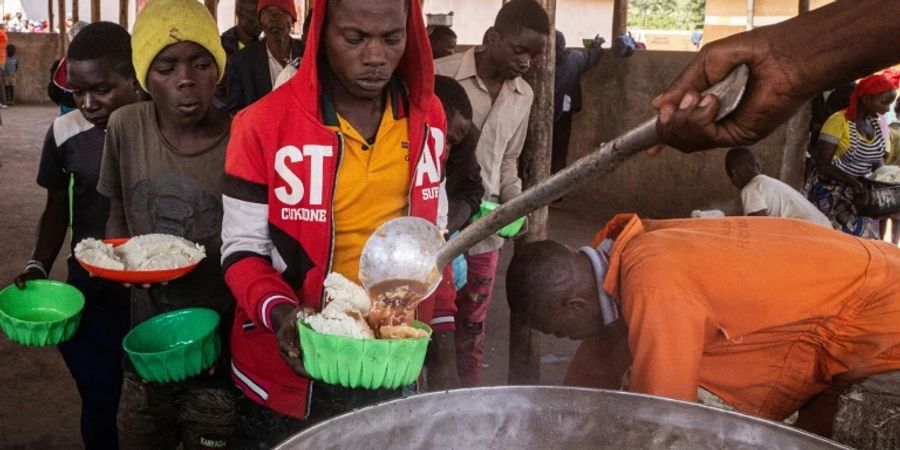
<point>355,139</point>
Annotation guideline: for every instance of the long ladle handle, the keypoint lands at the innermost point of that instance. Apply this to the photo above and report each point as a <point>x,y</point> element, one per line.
<point>600,162</point>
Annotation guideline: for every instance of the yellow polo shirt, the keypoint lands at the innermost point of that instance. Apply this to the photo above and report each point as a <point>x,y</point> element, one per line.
<point>372,187</point>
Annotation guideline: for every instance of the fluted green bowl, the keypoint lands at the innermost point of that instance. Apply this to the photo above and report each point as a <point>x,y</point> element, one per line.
<point>363,363</point>
<point>174,346</point>
<point>510,230</point>
<point>46,312</point>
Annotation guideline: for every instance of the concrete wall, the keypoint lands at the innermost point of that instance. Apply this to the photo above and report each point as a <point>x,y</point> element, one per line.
<point>36,51</point>
<point>727,17</point>
<point>109,10</point>
<point>577,19</point>
<point>584,19</point>
<point>471,18</point>
<point>617,96</point>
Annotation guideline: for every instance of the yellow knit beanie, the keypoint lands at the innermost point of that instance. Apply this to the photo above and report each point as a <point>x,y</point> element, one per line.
<point>165,22</point>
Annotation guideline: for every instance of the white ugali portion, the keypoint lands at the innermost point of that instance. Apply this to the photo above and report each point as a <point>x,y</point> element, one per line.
<point>146,252</point>
<point>339,288</point>
<point>344,315</point>
<point>159,252</point>
<point>350,324</point>
<point>98,253</point>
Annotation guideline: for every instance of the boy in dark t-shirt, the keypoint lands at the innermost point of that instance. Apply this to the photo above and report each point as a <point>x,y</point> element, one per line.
<point>102,80</point>
<point>162,170</point>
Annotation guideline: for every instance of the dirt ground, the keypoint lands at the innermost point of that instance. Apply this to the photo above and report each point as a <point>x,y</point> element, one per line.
<point>39,407</point>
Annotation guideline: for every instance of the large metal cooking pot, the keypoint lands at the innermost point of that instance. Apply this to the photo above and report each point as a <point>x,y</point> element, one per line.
<point>546,417</point>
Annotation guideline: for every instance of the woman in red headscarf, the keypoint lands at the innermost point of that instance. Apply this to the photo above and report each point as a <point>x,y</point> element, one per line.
<point>852,144</point>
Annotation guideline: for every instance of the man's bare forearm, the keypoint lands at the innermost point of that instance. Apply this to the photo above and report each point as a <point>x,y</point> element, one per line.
<point>840,42</point>
<point>52,228</point>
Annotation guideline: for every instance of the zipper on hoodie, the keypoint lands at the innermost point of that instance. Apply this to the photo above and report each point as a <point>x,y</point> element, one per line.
<point>412,187</point>
<point>337,170</point>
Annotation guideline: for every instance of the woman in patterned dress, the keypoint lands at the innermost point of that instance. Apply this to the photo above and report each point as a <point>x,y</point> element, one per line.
<point>852,144</point>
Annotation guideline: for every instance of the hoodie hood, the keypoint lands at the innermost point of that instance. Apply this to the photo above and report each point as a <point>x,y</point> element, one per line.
<point>416,68</point>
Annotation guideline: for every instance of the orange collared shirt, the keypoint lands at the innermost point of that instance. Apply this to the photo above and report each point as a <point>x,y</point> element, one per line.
<point>372,187</point>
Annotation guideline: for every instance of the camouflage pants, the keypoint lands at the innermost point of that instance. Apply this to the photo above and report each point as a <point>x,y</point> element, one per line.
<point>261,428</point>
<point>473,303</point>
<point>156,416</point>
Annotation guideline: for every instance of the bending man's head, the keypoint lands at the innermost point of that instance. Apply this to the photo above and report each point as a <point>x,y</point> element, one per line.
<point>556,288</point>
<point>741,166</point>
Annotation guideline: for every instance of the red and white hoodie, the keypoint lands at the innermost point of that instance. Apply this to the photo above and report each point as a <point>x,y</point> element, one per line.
<point>278,230</point>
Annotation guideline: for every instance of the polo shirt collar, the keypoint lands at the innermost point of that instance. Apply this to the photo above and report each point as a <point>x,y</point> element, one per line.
<point>398,97</point>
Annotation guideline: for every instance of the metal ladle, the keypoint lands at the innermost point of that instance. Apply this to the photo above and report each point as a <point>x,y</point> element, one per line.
<point>412,249</point>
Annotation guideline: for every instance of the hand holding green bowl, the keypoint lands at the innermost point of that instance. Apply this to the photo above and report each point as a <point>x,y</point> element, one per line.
<point>45,312</point>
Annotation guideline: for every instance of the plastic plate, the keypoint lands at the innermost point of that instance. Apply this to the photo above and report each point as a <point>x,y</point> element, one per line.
<point>135,276</point>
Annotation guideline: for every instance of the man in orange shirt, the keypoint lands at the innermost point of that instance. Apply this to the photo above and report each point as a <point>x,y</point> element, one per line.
<point>766,313</point>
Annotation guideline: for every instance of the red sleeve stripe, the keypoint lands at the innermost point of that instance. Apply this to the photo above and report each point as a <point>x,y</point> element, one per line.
<point>440,320</point>
<point>265,308</point>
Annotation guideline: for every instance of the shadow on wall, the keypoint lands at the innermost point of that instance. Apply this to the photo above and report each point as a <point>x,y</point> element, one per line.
<point>617,95</point>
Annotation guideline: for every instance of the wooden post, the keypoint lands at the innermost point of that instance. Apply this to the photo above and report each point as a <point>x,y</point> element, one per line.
<point>213,7</point>
<point>49,13</point>
<point>123,13</point>
<point>534,166</point>
<point>95,11</point>
<point>620,18</point>
<point>62,27</point>
<point>796,141</point>
<point>75,11</point>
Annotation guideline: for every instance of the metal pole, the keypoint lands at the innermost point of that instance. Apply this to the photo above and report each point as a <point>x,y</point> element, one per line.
<point>95,10</point>
<point>534,166</point>
<point>75,14</point>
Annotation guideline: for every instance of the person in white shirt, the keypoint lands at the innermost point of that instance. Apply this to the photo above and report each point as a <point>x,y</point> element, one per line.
<point>762,195</point>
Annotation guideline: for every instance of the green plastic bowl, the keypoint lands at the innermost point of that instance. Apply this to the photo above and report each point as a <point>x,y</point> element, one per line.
<point>509,230</point>
<point>46,312</point>
<point>175,346</point>
<point>363,363</point>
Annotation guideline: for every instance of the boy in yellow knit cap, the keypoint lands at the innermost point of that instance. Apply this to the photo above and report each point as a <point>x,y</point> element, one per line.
<point>162,170</point>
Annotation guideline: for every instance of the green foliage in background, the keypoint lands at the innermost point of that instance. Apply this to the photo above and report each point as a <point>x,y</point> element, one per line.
<point>666,14</point>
